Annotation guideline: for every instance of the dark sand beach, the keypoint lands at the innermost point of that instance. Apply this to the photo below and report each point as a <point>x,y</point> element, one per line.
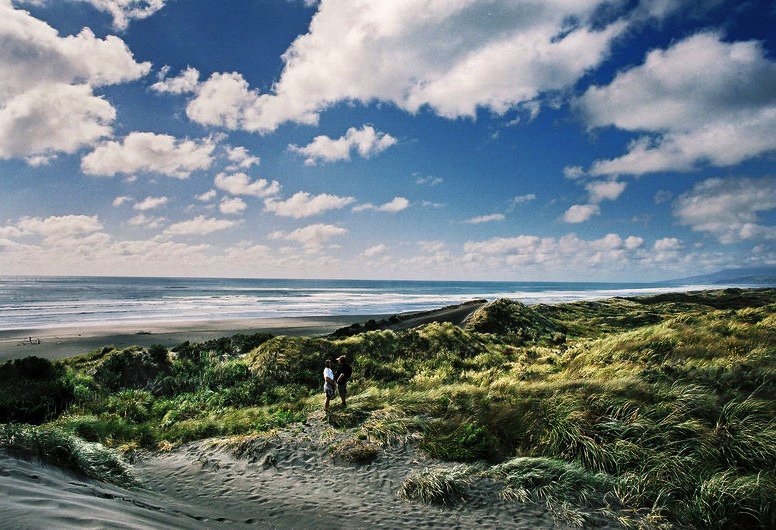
<point>61,342</point>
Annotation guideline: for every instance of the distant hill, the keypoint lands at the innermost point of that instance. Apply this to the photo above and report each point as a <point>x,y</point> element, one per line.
<point>744,276</point>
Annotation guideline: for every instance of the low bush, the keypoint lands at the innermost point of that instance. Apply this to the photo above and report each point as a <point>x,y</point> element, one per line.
<point>33,390</point>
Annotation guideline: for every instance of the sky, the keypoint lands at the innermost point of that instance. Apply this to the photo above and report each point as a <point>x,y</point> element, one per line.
<point>570,140</point>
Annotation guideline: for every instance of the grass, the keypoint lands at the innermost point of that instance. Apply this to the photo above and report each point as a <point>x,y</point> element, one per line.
<point>443,486</point>
<point>355,451</point>
<point>658,407</point>
<point>64,450</point>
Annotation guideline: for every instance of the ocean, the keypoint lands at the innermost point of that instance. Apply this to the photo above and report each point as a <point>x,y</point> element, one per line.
<point>45,302</point>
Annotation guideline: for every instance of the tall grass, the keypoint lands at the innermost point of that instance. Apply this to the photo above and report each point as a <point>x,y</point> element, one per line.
<point>56,447</point>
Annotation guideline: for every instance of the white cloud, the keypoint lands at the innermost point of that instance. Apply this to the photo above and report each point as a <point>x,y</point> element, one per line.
<point>150,153</point>
<point>312,237</point>
<point>241,158</point>
<point>46,99</point>
<point>222,101</point>
<point>396,204</point>
<point>53,228</point>
<point>53,118</point>
<point>573,172</point>
<point>728,208</point>
<point>597,191</point>
<point>150,203</point>
<point>118,201</point>
<point>633,242</point>
<point>453,57</point>
<point>702,100</point>
<point>32,54</point>
<point>375,250</point>
<point>39,160</point>
<point>526,250</point>
<point>522,199</point>
<point>365,141</point>
<point>207,196</point>
<point>200,225</point>
<point>185,83</point>
<point>233,206</point>
<point>146,221</point>
<point>667,244</point>
<point>302,204</point>
<point>431,246</point>
<point>429,181</point>
<point>604,190</point>
<point>124,11</point>
<point>241,184</point>
<point>485,219</point>
<point>579,213</point>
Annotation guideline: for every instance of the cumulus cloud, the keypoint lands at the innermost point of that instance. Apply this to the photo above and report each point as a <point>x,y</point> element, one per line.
<point>150,203</point>
<point>365,141</point>
<point>241,184</point>
<point>240,158</point>
<point>146,221</point>
<point>728,209</point>
<point>452,57</point>
<point>207,196</point>
<point>604,190</point>
<point>233,206</point>
<point>118,201</point>
<point>485,219</point>
<point>53,118</point>
<point>579,213</point>
<point>312,237</point>
<point>302,204</point>
<point>597,191</point>
<point>52,228</point>
<point>46,100</point>
<point>375,250</point>
<point>124,11</point>
<point>396,204</point>
<point>525,250</point>
<point>184,83</point>
<point>701,101</point>
<point>200,226</point>
<point>149,153</point>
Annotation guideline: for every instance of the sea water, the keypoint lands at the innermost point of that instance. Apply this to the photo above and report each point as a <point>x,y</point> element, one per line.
<point>41,302</point>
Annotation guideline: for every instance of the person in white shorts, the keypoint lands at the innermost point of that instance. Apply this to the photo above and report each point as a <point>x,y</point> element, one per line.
<point>329,385</point>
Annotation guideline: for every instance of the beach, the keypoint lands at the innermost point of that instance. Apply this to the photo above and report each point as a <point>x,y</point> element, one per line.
<point>60,342</point>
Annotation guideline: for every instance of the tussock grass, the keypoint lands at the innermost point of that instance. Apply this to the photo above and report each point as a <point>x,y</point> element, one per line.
<point>61,449</point>
<point>661,407</point>
<point>355,451</point>
<point>444,486</point>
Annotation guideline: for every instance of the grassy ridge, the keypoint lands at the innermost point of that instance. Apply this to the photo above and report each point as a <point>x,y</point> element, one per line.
<point>658,409</point>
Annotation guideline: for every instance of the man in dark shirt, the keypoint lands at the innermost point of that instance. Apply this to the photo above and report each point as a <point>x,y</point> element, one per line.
<point>344,372</point>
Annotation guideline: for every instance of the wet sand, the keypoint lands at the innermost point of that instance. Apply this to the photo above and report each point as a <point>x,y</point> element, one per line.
<point>57,343</point>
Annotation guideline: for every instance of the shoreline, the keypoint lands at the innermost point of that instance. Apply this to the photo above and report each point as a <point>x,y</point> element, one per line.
<point>67,341</point>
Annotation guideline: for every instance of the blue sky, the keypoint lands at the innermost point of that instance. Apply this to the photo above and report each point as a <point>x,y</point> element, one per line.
<point>560,140</point>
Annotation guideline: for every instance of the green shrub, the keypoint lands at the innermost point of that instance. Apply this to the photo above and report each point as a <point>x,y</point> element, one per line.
<point>33,390</point>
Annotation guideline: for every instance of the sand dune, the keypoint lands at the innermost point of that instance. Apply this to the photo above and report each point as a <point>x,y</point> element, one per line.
<point>288,480</point>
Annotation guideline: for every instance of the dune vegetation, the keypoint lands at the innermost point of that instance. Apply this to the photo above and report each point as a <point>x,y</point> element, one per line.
<point>651,411</point>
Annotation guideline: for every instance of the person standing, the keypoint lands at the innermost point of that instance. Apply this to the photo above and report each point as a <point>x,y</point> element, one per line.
<point>329,384</point>
<point>343,375</point>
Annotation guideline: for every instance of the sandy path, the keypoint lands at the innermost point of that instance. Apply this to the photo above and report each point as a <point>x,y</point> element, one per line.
<point>287,481</point>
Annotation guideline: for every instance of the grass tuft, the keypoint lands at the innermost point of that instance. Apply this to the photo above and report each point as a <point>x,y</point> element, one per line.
<point>64,450</point>
<point>445,486</point>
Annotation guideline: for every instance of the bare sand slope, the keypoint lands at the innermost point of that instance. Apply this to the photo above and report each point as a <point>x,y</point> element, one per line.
<point>287,480</point>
